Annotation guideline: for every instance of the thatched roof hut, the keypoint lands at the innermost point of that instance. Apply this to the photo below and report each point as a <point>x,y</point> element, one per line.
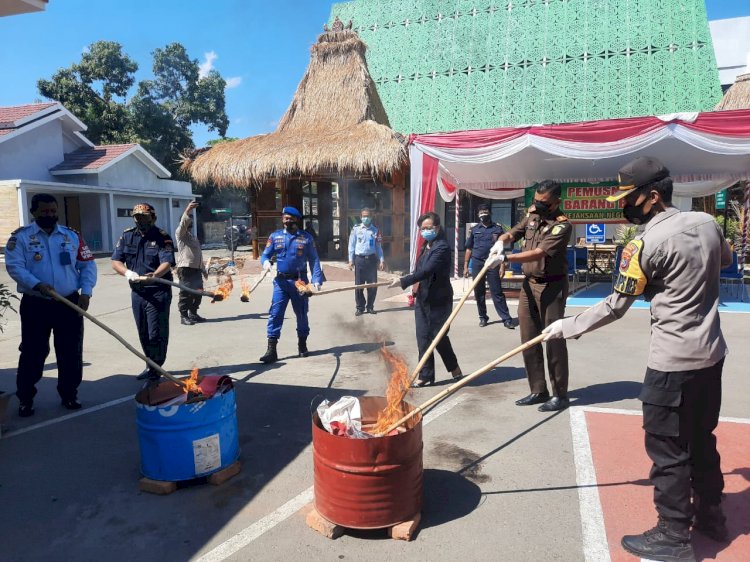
<point>335,126</point>
<point>737,96</point>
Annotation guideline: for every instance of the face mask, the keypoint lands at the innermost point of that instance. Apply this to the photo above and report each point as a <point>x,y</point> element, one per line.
<point>635,215</point>
<point>429,235</point>
<point>144,224</point>
<point>46,222</point>
<point>542,208</point>
<point>366,221</point>
<point>485,219</point>
<point>290,225</point>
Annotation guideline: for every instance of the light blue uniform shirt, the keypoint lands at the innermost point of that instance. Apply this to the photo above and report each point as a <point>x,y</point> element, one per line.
<point>60,259</point>
<point>365,241</point>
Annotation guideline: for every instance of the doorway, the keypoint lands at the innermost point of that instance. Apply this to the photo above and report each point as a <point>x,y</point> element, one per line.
<point>73,213</point>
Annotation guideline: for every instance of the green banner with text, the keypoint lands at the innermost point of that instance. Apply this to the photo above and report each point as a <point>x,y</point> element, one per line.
<point>584,202</point>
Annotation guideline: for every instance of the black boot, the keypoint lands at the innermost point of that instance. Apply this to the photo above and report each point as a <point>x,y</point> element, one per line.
<point>193,315</point>
<point>270,356</point>
<point>185,320</point>
<point>710,521</point>
<point>302,346</point>
<point>667,541</point>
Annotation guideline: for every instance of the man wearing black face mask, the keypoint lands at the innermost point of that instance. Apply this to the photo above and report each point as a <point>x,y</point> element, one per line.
<point>40,257</point>
<point>674,263</point>
<point>478,246</point>
<point>147,251</point>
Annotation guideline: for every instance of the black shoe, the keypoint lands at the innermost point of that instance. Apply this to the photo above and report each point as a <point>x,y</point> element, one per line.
<point>421,383</point>
<point>511,323</point>
<point>482,322</point>
<point>71,404</point>
<point>711,522</point>
<point>270,355</point>
<point>554,404</point>
<point>302,346</point>
<point>26,410</point>
<point>143,375</point>
<point>358,312</point>
<point>457,374</point>
<point>195,318</point>
<point>371,311</point>
<point>533,398</point>
<point>186,321</point>
<point>661,543</point>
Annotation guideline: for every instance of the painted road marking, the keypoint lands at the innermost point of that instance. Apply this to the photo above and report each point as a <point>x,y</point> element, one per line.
<point>249,534</point>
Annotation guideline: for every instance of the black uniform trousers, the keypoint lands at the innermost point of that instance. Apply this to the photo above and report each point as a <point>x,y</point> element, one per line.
<point>151,313</point>
<point>496,291</point>
<point>365,271</point>
<point>41,317</point>
<point>539,305</point>
<point>192,278</point>
<point>429,318</point>
<point>680,413</point>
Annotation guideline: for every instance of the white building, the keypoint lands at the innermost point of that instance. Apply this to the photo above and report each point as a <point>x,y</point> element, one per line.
<point>731,39</point>
<point>43,150</point>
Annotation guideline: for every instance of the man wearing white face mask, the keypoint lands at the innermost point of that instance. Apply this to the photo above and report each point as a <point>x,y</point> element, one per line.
<point>365,257</point>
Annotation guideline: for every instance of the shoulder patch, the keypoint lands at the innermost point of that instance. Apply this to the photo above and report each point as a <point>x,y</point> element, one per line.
<point>16,231</point>
<point>131,229</point>
<point>163,232</point>
<point>557,229</point>
<point>630,278</point>
<point>11,244</point>
<point>561,218</point>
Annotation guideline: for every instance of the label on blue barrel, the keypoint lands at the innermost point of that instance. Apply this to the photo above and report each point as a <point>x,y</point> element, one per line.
<point>207,454</point>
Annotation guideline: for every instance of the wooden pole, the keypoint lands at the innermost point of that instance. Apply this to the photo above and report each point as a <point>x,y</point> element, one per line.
<point>262,276</point>
<point>448,322</point>
<point>463,382</point>
<point>352,288</point>
<point>55,295</point>
<point>181,287</point>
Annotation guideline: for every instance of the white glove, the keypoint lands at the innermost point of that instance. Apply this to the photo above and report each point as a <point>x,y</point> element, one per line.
<point>267,266</point>
<point>131,275</point>
<point>495,260</point>
<point>396,283</point>
<point>554,331</point>
<point>317,286</point>
<point>497,248</point>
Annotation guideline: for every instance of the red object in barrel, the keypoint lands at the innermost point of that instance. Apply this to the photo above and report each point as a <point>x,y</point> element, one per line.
<point>368,483</point>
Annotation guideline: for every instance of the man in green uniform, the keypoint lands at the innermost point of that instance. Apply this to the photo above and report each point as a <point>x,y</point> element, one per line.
<point>546,233</point>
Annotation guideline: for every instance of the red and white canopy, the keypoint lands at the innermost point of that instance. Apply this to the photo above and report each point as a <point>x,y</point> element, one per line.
<point>705,152</point>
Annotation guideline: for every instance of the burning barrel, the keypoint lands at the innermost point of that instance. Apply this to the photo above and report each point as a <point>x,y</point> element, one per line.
<point>185,440</point>
<point>368,483</point>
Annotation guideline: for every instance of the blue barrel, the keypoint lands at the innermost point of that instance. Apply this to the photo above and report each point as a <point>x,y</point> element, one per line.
<point>185,441</point>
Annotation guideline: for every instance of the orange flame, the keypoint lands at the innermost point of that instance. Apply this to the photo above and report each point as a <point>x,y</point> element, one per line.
<point>302,287</point>
<point>245,291</point>
<point>190,384</point>
<point>398,387</point>
<point>223,290</point>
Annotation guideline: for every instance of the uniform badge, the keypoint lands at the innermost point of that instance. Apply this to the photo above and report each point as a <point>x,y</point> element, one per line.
<point>33,239</point>
<point>557,229</point>
<point>631,280</point>
<point>37,257</point>
<point>11,245</point>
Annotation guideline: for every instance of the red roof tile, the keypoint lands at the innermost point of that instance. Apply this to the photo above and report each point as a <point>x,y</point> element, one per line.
<point>92,158</point>
<point>9,115</point>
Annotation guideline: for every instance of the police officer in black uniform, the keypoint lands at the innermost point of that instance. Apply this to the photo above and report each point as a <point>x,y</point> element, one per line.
<point>481,239</point>
<point>146,250</point>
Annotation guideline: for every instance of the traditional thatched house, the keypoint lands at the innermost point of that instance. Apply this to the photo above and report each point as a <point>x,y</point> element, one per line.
<point>738,94</point>
<point>332,153</point>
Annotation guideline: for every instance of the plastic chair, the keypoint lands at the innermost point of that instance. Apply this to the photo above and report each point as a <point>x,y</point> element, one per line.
<point>731,274</point>
<point>582,263</point>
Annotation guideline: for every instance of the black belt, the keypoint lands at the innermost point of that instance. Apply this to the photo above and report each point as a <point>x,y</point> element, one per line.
<point>548,279</point>
<point>289,275</point>
<point>366,256</point>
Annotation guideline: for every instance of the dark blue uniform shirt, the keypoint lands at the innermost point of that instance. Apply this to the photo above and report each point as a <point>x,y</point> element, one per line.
<point>145,253</point>
<point>293,253</point>
<point>482,238</point>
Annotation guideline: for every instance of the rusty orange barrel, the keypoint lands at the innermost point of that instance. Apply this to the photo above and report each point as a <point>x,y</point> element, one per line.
<point>368,483</point>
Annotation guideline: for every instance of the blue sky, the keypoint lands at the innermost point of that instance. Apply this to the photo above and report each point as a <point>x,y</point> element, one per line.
<point>260,47</point>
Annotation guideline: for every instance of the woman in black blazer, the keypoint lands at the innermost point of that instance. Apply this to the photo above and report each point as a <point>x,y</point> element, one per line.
<point>434,297</point>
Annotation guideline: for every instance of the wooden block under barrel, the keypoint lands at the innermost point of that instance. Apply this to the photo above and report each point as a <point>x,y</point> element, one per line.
<point>319,523</point>
<point>221,476</point>
<point>404,531</point>
<point>158,487</point>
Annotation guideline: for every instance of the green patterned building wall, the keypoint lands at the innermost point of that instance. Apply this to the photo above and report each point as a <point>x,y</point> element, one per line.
<point>445,65</point>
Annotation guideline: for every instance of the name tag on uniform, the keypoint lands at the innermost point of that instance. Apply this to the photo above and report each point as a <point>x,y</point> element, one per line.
<point>65,258</point>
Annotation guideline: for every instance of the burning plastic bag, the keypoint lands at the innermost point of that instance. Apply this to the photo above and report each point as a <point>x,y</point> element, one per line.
<point>343,418</point>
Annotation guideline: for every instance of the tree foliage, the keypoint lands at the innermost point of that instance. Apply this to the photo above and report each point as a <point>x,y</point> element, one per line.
<point>160,111</point>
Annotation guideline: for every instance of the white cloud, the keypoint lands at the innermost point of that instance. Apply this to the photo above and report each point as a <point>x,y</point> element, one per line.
<point>207,65</point>
<point>234,81</point>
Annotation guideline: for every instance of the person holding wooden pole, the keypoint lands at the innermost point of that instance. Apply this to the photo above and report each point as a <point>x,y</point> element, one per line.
<point>434,298</point>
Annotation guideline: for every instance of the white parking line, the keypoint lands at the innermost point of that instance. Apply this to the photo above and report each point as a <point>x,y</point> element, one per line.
<point>249,534</point>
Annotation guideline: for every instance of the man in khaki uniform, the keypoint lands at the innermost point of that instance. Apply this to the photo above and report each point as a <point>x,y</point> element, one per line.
<point>190,269</point>
<point>674,263</point>
<point>546,233</point>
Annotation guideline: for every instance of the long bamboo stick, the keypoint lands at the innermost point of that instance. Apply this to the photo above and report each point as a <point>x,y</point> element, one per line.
<point>255,285</point>
<point>447,324</point>
<point>178,285</point>
<point>55,295</point>
<point>463,382</point>
<point>352,288</point>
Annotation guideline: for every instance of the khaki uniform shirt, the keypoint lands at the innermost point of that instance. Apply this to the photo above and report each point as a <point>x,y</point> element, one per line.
<point>675,264</point>
<point>188,248</point>
<point>551,235</point>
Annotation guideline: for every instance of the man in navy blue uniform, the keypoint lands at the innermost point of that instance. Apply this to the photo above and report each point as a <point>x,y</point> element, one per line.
<point>147,251</point>
<point>481,239</point>
<point>43,257</point>
<point>294,250</point>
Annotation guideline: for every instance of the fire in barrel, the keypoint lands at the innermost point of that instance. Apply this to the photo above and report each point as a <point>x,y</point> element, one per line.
<point>363,481</point>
